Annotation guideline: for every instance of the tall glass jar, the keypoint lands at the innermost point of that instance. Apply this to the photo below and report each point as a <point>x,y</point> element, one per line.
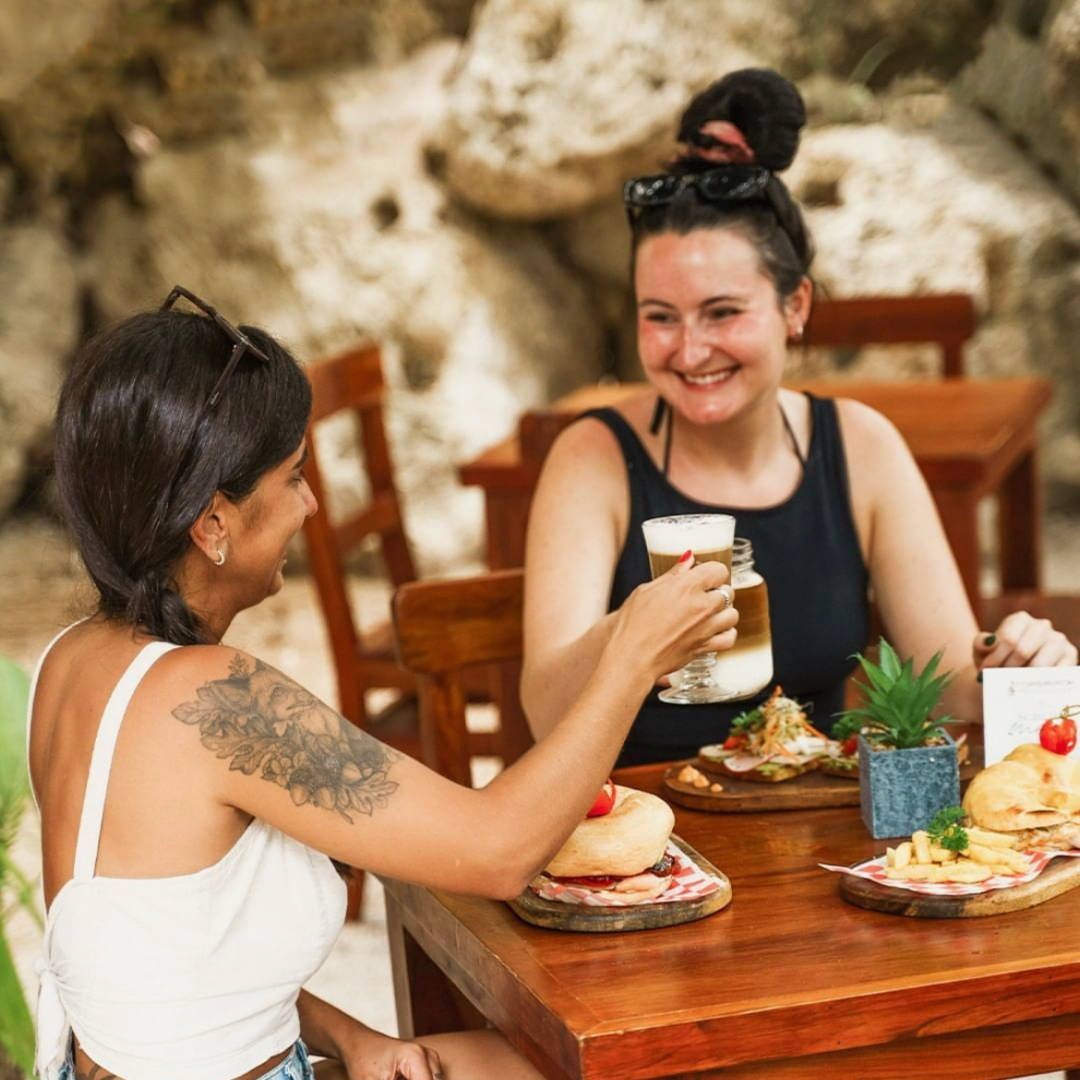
<point>748,667</point>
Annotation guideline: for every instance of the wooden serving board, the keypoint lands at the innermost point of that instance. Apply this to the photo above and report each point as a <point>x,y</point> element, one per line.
<point>555,915</point>
<point>1060,875</point>
<point>811,790</point>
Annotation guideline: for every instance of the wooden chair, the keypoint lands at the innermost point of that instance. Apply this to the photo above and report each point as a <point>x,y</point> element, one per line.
<point>947,320</point>
<point>443,629</point>
<point>353,380</point>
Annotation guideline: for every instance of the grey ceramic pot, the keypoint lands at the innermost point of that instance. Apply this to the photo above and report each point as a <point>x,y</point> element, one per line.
<point>901,790</point>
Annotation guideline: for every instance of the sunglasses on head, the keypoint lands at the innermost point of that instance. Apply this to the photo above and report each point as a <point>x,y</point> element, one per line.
<point>242,344</point>
<point>729,183</point>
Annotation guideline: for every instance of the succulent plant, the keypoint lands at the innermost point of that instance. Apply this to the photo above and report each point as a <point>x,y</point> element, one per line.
<point>897,702</point>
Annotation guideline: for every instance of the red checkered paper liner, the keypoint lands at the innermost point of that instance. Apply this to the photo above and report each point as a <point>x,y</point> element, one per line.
<point>688,882</point>
<point>874,870</point>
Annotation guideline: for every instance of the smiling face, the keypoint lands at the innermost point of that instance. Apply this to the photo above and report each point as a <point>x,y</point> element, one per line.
<point>711,329</point>
<point>268,519</point>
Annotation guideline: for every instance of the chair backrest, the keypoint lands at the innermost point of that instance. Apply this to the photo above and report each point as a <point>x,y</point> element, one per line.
<point>443,627</point>
<point>353,380</point>
<point>947,320</point>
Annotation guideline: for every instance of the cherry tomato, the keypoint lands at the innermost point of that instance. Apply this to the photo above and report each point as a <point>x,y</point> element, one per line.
<point>604,801</point>
<point>1058,735</point>
<point>734,742</point>
<point>850,746</point>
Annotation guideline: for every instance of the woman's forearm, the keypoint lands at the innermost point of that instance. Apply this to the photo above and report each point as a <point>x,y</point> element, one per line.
<point>553,678</point>
<point>572,761</point>
<point>325,1029</point>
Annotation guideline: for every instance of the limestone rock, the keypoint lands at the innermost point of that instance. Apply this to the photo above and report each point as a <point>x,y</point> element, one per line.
<point>300,35</point>
<point>1063,75</point>
<point>875,42</point>
<point>325,227</point>
<point>39,325</point>
<point>947,203</point>
<point>36,35</point>
<point>555,102</point>
<point>1027,75</point>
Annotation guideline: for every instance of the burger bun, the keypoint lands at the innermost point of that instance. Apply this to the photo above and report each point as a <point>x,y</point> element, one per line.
<point>623,843</point>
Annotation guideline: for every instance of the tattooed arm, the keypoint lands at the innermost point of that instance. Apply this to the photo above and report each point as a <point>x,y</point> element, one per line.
<point>289,759</point>
<point>264,724</point>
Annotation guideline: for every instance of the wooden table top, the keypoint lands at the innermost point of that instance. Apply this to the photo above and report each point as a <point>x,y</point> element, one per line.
<point>789,969</point>
<point>961,431</point>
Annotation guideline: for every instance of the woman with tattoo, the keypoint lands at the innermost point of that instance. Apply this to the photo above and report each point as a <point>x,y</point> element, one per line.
<point>192,797</point>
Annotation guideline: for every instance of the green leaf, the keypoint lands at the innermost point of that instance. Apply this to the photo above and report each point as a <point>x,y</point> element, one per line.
<point>747,721</point>
<point>846,725</point>
<point>16,1026</point>
<point>889,662</point>
<point>898,702</point>
<point>14,693</point>
<point>945,829</point>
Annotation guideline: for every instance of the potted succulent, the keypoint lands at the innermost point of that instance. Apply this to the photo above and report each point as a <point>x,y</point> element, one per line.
<point>907,760</point>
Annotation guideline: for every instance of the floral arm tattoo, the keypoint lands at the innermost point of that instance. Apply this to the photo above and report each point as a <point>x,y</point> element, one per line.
<point>266,724</point>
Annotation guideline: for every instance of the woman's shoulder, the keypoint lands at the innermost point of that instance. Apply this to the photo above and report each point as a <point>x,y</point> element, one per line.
<point>187,674</point>
<point>865,430</point>
<point>599,439</point>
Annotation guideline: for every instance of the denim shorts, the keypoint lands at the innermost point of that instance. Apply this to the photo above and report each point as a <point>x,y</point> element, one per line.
<point>296,1066</point>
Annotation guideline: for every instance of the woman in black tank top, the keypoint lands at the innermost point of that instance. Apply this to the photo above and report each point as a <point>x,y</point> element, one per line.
<point>826,491</point>
<point>819,584</point>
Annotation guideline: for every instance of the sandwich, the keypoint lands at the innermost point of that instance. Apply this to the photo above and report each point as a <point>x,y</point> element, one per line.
<point>620,855</point>
<point>771,743</point>
<point>1033,793</point>
<point>841,756</point>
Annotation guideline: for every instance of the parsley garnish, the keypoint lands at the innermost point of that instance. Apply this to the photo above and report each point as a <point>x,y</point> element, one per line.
<point>747,721</point>
<point>946,829</point>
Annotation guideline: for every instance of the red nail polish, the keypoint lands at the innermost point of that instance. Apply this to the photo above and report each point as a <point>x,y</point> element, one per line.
<point>686,555</point>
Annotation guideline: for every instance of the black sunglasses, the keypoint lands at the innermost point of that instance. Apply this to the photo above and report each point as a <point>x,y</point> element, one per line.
<point>729,183</point>
<point>242,344</point>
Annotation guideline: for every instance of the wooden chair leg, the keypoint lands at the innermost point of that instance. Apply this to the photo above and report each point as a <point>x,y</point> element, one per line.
<point>355,903</point>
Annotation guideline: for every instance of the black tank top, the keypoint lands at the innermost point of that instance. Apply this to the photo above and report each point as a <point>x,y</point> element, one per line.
<point>806,548</point>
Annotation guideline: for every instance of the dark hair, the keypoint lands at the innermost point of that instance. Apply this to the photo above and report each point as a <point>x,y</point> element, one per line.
<point>769,112</point>
<point>132,414</point>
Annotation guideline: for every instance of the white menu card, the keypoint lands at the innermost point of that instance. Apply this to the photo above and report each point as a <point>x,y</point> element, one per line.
<point>1018,700</point>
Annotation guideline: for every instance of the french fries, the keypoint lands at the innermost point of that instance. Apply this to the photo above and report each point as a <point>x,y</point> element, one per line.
<point>987,838</point>
<point>987,854</point>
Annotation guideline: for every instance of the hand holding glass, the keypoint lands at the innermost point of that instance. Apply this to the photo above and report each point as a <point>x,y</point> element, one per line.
<point>710,537</point>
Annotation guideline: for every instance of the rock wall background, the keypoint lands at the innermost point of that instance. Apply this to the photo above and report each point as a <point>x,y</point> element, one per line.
<point>442,175</point>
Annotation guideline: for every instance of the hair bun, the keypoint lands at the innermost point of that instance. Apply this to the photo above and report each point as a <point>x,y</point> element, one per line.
<point>762,104</point>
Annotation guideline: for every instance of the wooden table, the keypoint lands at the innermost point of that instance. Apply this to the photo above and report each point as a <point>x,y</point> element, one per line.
<point>788,982</point>
<point>970,437</point>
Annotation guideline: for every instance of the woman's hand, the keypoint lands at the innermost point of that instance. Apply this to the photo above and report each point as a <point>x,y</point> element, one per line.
<point>665,623</point>
<point>380,1057</point>
<point>1023,641</point>
<point>356,1052</point>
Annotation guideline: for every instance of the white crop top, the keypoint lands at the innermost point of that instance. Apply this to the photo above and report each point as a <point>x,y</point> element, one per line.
<point>176,978</point>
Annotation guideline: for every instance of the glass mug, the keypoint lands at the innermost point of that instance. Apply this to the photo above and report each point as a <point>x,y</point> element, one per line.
<point>711,538</point>
<point>747,668</point>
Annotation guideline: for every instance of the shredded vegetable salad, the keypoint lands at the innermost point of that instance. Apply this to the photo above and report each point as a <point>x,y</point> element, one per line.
<point>777,728</point>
